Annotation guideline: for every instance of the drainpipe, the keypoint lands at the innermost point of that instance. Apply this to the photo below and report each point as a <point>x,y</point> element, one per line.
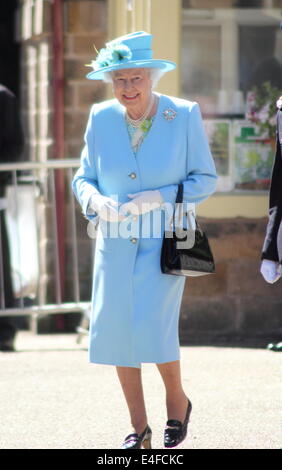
<point>58,89</point>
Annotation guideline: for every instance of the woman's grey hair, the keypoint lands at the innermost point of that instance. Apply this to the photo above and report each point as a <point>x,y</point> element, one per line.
<point>155,75</point>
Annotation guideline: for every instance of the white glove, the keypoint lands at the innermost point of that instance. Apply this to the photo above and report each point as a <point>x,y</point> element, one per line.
<point>269,270</point>
<point>106,207</point>
<point>142,202</point>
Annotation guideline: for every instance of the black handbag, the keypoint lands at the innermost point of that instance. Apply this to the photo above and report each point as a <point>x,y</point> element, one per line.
<point>186,252</point>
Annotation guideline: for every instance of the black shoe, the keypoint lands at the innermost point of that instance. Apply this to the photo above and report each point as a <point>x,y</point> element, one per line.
<point>7,335</point>
<point>7,346</point>
<point>175,432</point>
<point>135,441</point>
<point>275,347</point>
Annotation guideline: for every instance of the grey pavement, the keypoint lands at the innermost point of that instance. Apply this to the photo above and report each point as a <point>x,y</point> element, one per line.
<point>52,398</point>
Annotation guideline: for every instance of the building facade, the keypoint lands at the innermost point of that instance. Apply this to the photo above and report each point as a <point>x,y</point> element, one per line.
<point>223,48</point>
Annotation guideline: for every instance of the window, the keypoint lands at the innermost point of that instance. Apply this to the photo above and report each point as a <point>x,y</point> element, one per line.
<point>225,53</point>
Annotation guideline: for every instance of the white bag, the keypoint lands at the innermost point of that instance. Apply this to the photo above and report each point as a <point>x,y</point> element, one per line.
<point>20,217</point>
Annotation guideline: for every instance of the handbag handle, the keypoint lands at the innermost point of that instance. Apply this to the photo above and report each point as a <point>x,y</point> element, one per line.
<point>179,196</point>
<point>179,200</point>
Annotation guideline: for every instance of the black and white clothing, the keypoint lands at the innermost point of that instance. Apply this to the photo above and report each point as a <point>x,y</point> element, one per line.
<point>272,247</point>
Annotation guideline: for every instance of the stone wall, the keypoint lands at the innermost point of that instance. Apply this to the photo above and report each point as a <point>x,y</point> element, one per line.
<point>35,35</point>
<point>235,301</point>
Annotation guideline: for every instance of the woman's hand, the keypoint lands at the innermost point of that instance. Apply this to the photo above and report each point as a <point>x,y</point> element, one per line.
<point>269,270</point>
<point>142,202</point>
<point>107,208</point>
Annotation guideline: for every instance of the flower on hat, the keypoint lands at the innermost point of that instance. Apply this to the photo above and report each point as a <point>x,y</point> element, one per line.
<point>112,54</point>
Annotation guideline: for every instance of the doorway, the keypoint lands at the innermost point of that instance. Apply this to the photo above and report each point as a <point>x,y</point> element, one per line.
<point>10,48</point>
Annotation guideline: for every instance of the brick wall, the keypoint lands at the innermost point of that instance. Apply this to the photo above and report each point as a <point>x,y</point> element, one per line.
<point>85,25</point>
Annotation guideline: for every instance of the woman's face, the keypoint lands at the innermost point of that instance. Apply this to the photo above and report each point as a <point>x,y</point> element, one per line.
<point>133,88</point>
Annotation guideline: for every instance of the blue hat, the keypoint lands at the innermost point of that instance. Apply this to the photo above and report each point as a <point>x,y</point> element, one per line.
<point>127,52</point>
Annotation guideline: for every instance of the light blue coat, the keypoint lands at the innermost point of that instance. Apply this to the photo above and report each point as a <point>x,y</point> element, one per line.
<point>136,307</point>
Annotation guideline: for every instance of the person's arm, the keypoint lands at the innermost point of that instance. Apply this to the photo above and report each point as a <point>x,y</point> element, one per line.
<point>85,184</point>
<point>201,178</point>
<point>271,255</point>
<point>270,249</point>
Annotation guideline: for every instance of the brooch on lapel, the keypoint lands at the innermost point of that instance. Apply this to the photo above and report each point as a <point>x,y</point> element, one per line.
<point>169,114</point>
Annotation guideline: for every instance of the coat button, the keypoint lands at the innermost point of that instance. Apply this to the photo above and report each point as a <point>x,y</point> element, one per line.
<point>134,217</point>
<point>133,240</point>
<point>132,175</point>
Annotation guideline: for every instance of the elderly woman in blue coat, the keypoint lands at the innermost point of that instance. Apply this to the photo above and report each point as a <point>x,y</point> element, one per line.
<point>138,147</point>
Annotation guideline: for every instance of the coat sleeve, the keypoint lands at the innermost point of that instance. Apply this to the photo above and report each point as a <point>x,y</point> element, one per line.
<point>270,249</point>
<point>85,183</point>
<point>201,177</point>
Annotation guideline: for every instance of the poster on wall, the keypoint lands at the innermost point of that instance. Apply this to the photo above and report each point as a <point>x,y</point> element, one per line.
<point>253,157</point>
<point>219,136</point>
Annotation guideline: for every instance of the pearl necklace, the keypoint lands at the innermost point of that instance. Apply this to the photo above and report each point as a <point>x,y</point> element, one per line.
<point>138,122</point>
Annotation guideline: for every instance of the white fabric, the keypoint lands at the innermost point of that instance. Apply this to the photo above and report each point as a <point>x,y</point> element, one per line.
<point>23,239</point>
<point>3,203</point>
<point>106,207</point>
<point>279,103</point>
<point>269,270</point>
<point>142,202</point>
